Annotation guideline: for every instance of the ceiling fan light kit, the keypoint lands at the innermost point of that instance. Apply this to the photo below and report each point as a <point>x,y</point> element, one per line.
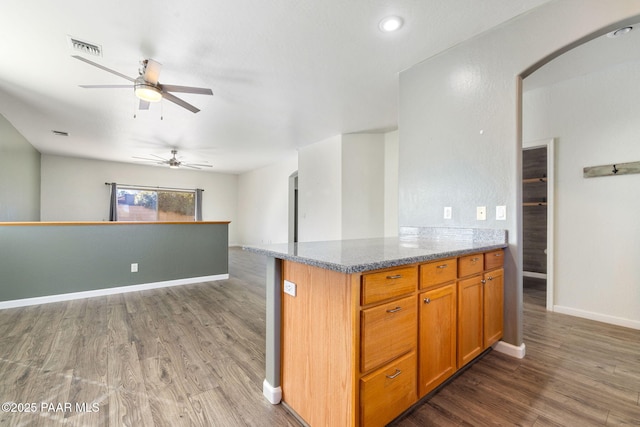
<point>146,91</point>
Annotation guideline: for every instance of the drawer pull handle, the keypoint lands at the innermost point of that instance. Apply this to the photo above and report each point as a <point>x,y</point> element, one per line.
<point>443,266</point>
<point>498,254</point>
<point>474,259</point>
<point>397,276</point>
<point>398,372</point>
<point>427,300</point>
<point>395,310</point>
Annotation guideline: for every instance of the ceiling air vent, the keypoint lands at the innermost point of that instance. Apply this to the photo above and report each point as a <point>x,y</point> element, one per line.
<point>85,47</point>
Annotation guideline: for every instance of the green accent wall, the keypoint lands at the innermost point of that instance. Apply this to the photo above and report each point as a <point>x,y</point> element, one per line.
<point>42,260</point>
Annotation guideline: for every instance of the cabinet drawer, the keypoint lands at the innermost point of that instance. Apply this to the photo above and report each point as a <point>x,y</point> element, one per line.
<point>388,392</point>
<point>493,259</point>
<point>470,264</point>
<point>438,272</point>
<point>380,286</point>
<point>388,331</point>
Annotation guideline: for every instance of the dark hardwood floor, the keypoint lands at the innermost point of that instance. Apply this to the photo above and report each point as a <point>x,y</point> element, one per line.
<point>194,355</point>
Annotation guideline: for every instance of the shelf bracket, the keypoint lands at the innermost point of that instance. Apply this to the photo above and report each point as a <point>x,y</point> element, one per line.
<point>611,170</point>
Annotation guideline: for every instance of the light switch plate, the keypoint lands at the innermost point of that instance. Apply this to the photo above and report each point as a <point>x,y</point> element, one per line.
<point>447,212</point>
<point>481,213</point>
<point>501,213</point>
<point>134,267</point>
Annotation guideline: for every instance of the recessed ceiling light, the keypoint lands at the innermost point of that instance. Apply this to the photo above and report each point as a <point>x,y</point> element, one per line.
<point>391,24</point>
<point>619,32</point>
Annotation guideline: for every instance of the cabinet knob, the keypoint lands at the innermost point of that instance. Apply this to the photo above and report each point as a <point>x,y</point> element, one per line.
<point>483,281</point>
<point>398,372</point>
<point>490,277</point>
<point>395,310</point>
<point>427,300</point>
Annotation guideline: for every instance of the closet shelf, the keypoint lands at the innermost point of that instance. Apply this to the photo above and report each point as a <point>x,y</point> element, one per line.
<point>532,180</point>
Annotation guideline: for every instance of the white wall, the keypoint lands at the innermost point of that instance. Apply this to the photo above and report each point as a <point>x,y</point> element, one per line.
<point>19,176</point>
<point>320,191</point>
<point>595,120</point>
<point>391,149</point>
<point>460,130</point>
<point>363,179</point>
<point>263,202</point>
<point>74,189</point>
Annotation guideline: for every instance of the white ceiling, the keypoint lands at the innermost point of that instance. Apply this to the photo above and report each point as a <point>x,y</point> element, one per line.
<point>284,73</point>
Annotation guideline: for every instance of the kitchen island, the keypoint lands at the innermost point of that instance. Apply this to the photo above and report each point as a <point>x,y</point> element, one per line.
<point>359,330</point>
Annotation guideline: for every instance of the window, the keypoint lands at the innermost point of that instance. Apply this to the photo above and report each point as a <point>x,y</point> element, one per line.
<point>139,204</point>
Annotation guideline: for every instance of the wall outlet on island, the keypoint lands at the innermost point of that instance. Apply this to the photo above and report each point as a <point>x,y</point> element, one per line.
<point>290,288</point>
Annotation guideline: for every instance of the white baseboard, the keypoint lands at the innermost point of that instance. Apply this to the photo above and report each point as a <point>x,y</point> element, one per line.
<point>598,317</point>
<point>517,351</point>
<point>273,394</point>
<point>108,291</point>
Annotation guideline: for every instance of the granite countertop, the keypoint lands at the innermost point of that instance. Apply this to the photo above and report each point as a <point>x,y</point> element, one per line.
<point>413,245</point>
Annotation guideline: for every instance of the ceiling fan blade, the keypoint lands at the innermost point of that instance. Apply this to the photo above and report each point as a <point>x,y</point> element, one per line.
<point>180,102</point>
<point>186,89</point>
<point>106,86</point>
<point>144,105</point>
<point>145,158</point>
<point>102,67</point>
<point>188,166</point>
<point>161,158</point>
<point>197,164</point>
<point>152,71</point>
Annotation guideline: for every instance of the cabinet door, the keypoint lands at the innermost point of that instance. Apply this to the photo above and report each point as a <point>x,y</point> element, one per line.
<point>437,342</point>
<point>493,306</point>
<point>470,319</point>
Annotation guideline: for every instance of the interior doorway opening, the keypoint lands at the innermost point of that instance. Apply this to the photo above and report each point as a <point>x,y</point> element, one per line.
<point>537,218</point>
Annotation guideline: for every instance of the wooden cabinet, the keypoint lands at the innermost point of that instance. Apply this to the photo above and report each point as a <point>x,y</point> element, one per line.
<point>387,284</point>
<point>388,392</point>
<point>387,331</point>
<point>480,309</point>
<point>437,337</point>
<point>470,264</point>
<point>493,306</point>
<point>438,272</point>
<point>359,349</point>
<point>470,320</point>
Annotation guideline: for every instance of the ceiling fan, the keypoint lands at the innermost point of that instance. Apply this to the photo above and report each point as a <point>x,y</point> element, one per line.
<point>147,87</point>
<point>173,162</point>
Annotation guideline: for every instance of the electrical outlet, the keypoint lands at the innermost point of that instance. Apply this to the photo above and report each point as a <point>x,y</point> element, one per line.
<point>501,213</point>
<point>290,288</point>
<point>481,213</point>
<point>447,212</point>
<point>134,267</point>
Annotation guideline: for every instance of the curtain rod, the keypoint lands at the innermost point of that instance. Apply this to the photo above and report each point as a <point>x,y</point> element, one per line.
<point>154,188</point>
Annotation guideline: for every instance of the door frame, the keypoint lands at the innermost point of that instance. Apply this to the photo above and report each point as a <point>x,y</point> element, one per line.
<point>549,144</point>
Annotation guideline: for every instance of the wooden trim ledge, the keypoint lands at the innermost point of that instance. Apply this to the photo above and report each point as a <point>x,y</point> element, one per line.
<point>67,223</point>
